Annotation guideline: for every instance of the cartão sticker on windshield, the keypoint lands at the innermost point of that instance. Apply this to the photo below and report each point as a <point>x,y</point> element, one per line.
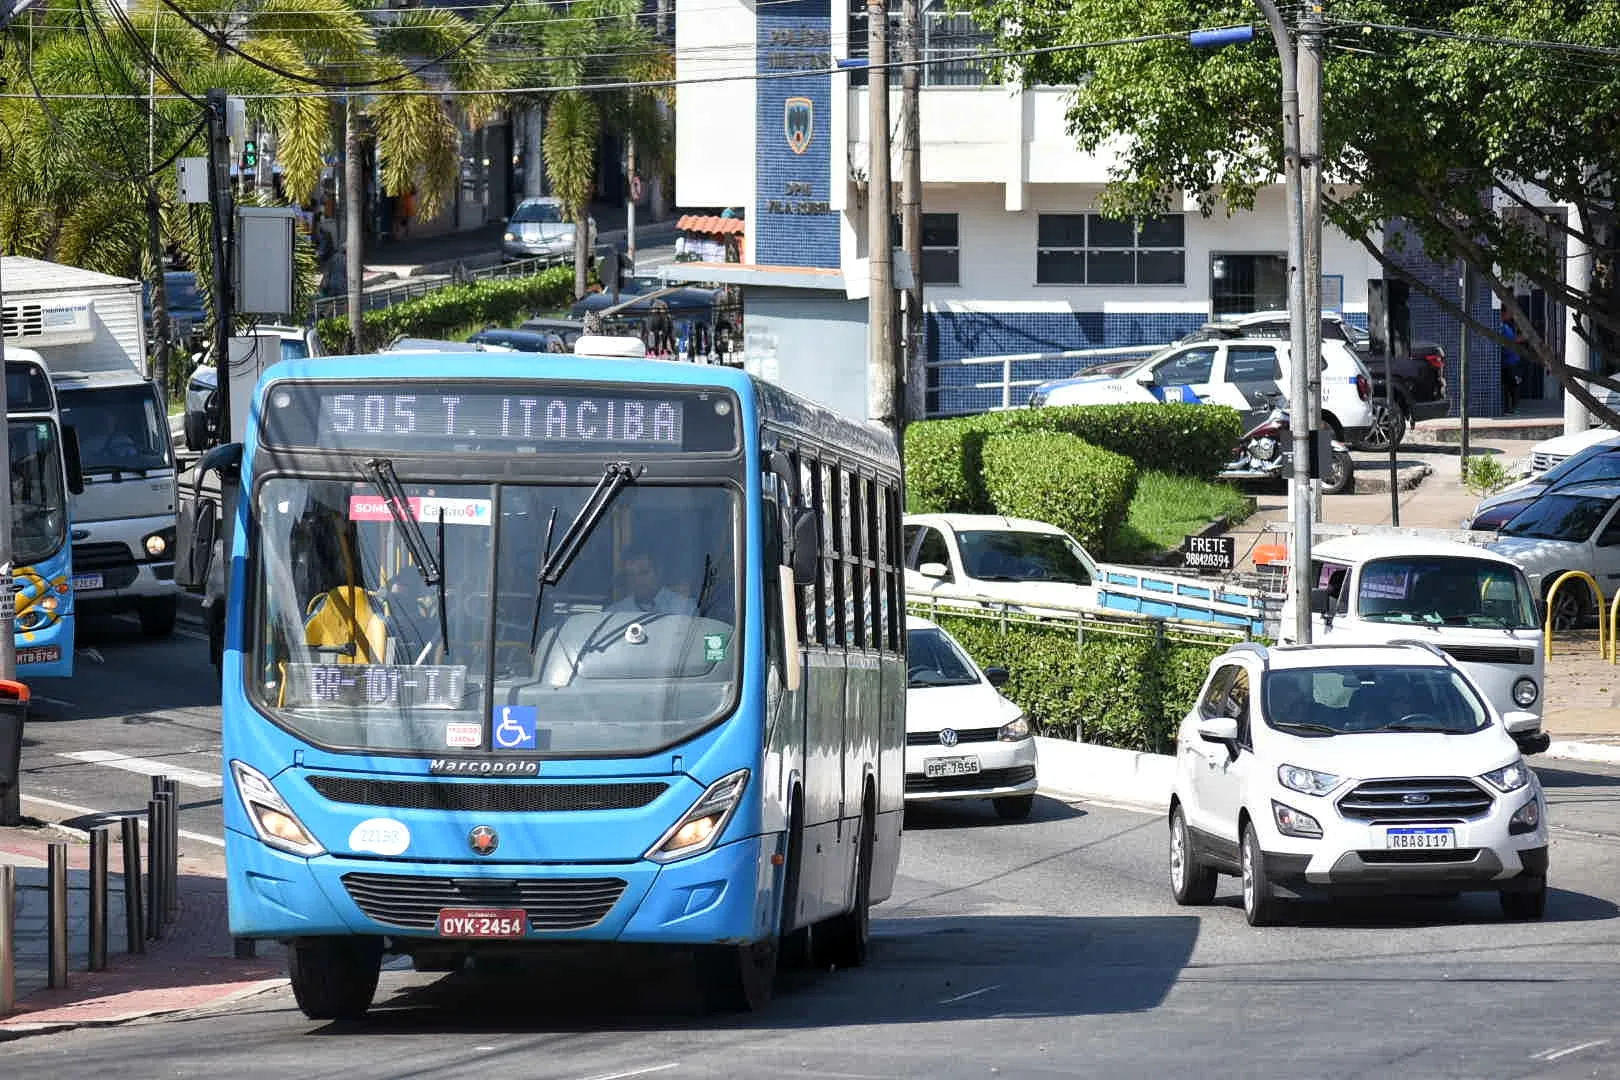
<point>426,508</point>
<point>714,647</point>
<point>380,836</point>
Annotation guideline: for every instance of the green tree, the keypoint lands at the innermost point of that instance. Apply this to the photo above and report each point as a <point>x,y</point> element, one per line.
<point>1440,125</point>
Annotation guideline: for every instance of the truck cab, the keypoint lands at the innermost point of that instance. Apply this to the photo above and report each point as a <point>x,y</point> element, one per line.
<point>1472,604</point>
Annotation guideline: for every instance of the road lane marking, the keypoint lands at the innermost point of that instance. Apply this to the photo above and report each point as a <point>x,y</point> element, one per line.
<point>1554,1055</point>
<point>637,1072</point>
<point>970,994</point>
<point>145,766</point>
<point>90,811</point>
<point>55,701</point>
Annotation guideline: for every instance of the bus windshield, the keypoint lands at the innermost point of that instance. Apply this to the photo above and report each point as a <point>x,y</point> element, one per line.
<point>632,649</point>
<point>120,429</point>
<point>38,498</point>
<point>1446,592</point>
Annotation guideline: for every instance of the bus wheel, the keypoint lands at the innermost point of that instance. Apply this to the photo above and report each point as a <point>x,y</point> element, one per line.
<point>848,936</point>
<point>157,616</point>
<point>334,978</point>
<point>737,978</point>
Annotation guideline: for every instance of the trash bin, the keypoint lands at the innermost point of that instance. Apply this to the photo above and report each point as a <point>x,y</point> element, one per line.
<point>13,714</point>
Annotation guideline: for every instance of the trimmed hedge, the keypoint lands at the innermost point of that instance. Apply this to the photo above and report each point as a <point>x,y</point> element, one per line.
<point>1058,479</point>
<point>443,312</point>
<point>944,457</point>
<point>1127,692</point>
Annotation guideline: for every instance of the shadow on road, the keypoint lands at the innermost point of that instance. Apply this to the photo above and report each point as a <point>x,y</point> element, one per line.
<point>955,813</point>
<point>1571,775</point>
<point>1406,912</point>
<point>921,970</point>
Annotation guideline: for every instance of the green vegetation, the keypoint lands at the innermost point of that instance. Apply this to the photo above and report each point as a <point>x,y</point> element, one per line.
<point>1058,479</point>
<point>1484,474</point>
<point>455,310</point>
<point>1117,690</point>
<point>1166,509</point>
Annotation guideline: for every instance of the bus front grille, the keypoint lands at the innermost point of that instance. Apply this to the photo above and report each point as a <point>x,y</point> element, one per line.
<point>484,796</point>
<point>551,903</point>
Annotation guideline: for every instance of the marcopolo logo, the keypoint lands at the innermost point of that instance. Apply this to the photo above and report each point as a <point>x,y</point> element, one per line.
<point>484,767</point>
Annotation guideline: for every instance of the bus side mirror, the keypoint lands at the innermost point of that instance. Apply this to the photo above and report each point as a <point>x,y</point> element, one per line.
<point>225,460</point>
<point>71,459</point>
<point>806,553</point>
<point>195,528</point>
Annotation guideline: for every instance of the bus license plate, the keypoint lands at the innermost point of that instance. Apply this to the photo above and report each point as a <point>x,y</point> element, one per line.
<point>483,922</point>
<point>1419,839</point>
<point>88,581</point>
<point>950,766</point>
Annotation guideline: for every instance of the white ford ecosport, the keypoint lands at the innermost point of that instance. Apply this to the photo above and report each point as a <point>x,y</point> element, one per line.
<point>1351,769</point>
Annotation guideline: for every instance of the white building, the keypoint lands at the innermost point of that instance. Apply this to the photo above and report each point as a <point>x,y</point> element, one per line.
<point>1016,259</point>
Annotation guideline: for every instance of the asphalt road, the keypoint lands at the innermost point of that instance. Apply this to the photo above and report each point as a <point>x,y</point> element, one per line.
<point>1041,949</point>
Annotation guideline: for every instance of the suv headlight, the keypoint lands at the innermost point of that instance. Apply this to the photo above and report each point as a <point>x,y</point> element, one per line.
<point>1306,781</point>
<point>272,818</point>
<point>1014,731</point>
<point>699,828</point>
<point>1508,777</point>
<point>1525,693</point>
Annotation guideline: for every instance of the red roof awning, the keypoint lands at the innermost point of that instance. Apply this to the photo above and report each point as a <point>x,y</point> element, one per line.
<point>710,224</point>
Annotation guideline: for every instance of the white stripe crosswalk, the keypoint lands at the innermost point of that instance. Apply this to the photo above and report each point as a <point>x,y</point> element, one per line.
<point>145,767</point>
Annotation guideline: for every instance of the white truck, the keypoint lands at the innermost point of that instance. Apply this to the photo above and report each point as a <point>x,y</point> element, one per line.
<point>89,329</point>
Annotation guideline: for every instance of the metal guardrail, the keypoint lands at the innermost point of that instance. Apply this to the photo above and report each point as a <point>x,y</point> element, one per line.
<point>1078,622</point>
<point>1010,377</point>
<point>386,296</point>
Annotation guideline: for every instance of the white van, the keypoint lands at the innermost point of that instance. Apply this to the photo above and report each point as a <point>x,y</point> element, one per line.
<point>1472,604</point>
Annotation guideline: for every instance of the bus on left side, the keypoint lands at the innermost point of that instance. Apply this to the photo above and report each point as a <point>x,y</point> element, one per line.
<point>44,469</point>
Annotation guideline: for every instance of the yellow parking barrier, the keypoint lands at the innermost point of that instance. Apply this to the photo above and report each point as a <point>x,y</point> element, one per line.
<point>1614,627</point>
<point>1603,624</point>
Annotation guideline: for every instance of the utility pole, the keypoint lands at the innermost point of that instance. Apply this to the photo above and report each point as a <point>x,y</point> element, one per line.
<point>219,250</point>
<point>630,198</point>
<point>914,403</point>
<point>881,379</point>
<point>353,223</point>
<point>1462,367</point>
<point>1310,197</point>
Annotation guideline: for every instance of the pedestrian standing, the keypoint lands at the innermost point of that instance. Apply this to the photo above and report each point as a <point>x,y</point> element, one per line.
<point>1512,366</point>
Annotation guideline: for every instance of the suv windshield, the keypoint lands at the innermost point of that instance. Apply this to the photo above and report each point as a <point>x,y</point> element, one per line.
<point>998,555</point>
<point>119,429</point>
<point>634,647</point>
<point>1356,700</point>
<point>1559,517</point>
<point>1446,592</point>
<point>933,659</point>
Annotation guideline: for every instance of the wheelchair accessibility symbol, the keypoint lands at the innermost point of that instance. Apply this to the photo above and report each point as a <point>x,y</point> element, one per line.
<point>515,727</point>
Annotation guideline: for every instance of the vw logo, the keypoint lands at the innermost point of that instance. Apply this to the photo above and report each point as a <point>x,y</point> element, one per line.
<point>483,840</point>
<point>1415,798</point>
<point>947,737</point>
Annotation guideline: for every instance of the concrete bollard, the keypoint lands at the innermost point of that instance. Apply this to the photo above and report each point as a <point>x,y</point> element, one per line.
<point>98,899</point>
<point>8,938</point>
<point>56,917</point>
<point>154,875</point>
<point>134,922</point>
<point>172,788</point>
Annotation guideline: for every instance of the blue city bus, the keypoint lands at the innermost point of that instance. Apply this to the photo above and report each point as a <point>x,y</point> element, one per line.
<point>44,469</point>
<point>553,648</point>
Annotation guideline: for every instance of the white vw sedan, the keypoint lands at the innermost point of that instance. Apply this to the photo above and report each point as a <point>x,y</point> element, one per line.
<point>963,739</point>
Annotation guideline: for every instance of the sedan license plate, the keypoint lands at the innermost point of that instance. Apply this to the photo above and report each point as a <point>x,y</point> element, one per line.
<point>950,766</point>
<point>1419,839</point>
<point>483,922</point>
<point>88,581</point>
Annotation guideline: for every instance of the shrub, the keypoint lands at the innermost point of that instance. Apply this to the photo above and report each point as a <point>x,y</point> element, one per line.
<point>1484,474</point>
<point>1060,480</point>
<point>1127,692</point>
<point>1188,440</point>
<point>441,313</point>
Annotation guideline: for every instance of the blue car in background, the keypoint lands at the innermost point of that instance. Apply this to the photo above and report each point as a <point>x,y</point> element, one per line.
<point>188,309</point>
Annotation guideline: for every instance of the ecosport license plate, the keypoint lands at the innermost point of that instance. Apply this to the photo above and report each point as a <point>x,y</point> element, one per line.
<point>88,581</point>
<point>1419,839</point>
<point>483,922</point>
<point>950,766</point>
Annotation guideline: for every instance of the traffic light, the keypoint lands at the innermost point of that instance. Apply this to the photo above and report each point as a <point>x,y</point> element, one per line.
<point>250,154</point>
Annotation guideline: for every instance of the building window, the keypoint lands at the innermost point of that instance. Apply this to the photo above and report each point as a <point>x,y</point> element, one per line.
<point>1090,249</point>
<point>941,251</point>
<point>949,39</point>
<point>1241,282</point>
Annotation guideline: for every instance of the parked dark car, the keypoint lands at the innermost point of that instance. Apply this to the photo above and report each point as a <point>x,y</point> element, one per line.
<point>188,310</point>
<point>521,340</point>
<point>1600,462</point>
<point>569,330</point>
<point>1420,376</point>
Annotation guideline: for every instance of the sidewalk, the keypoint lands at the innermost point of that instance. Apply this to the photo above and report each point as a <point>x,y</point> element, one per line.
<point>191,967</point>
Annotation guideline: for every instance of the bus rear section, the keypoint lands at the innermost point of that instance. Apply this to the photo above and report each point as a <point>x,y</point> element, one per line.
<point>499,675</point>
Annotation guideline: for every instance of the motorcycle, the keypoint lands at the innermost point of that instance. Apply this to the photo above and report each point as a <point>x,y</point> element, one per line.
<point>1266,452</point>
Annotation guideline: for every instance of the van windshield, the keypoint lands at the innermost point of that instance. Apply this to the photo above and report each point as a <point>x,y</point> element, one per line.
<point>1446,591</point>
<point>119,428</point>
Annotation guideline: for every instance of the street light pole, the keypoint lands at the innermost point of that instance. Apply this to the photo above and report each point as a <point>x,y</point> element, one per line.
<point>1310,198</point>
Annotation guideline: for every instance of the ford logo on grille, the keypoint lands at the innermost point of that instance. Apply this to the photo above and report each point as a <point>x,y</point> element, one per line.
<point>947,737</point>
<point>1414,798</point>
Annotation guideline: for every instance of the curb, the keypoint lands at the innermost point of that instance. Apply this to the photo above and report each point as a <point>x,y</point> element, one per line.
<point>11,1032</point>
<point>1375,482</point>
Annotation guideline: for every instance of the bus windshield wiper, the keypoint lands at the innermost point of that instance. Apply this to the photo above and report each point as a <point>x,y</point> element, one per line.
<point>380,471</point>
<point>614,477</point>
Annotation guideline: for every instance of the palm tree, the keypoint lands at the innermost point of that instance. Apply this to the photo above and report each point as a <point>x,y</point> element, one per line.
<point>591,41</point>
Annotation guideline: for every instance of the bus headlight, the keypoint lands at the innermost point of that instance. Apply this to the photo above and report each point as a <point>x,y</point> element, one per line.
<point>699,828</point>
<point>272,818</point>
<point>1525,693</point>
